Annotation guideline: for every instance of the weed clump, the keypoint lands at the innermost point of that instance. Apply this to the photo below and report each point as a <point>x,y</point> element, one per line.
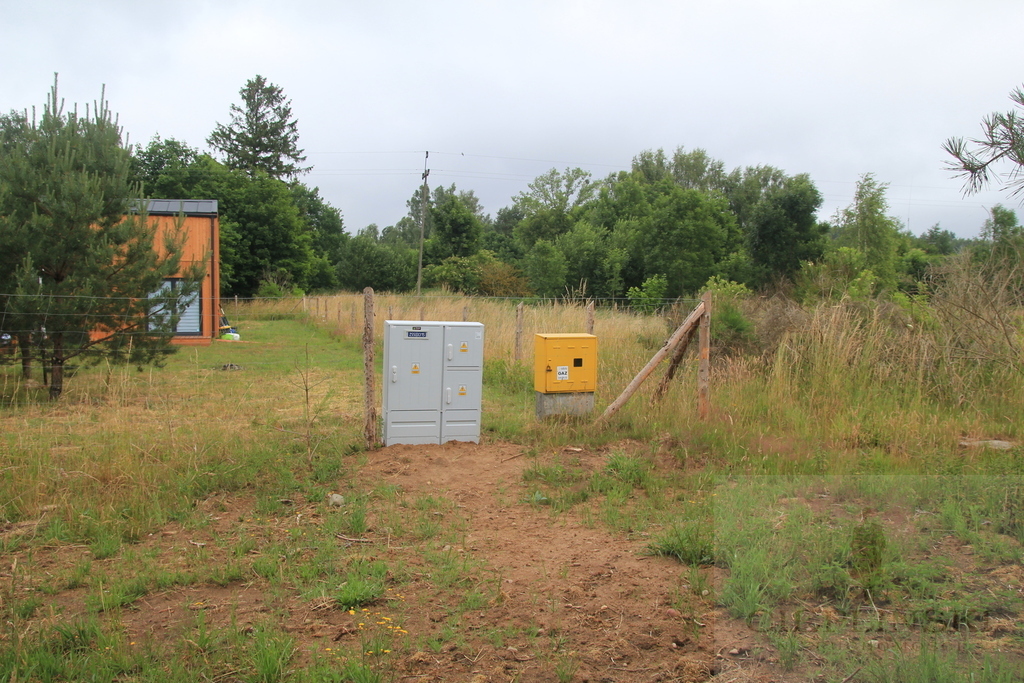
<point>691,543</point>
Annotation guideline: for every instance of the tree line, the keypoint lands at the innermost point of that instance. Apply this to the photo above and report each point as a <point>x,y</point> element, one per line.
<point>661,229</point>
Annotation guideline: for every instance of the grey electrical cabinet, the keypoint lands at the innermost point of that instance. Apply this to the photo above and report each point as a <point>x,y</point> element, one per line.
<point>433,381</point>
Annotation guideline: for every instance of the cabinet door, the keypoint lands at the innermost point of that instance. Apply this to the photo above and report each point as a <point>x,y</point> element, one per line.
<point>463,389</point>
<point>464,345</point>
<point>413,368</point>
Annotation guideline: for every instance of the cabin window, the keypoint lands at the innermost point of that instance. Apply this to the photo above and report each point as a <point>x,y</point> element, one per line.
<point>190,321</point>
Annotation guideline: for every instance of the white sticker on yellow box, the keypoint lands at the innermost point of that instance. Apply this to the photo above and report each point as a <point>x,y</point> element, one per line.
<point>562,373</point>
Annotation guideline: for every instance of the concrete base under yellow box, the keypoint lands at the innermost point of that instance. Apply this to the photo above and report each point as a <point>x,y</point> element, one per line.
<point>569,403</point>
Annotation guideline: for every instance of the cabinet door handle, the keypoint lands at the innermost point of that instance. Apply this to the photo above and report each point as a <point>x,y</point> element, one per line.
<point>448,392</point>
<point>394,373</point>
<point>451,352</point>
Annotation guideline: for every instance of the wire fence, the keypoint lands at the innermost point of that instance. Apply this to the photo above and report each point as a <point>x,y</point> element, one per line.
<point>505,318</point>
<point>46,319</point>
<point>627,337</point>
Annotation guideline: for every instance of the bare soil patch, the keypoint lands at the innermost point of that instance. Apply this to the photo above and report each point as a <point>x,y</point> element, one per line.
<point>599,597</point>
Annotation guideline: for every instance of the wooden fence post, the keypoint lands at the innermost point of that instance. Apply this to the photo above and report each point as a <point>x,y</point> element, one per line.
<point>519,333</point>
<point>465,313</point>
<point>370,408</point>
<point>704,371</point>
<point>590,317</point>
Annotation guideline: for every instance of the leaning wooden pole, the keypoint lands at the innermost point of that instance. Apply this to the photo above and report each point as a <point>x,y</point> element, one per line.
<point>370,407</point>
<point>673,365</point>
<point>691,320</point>
<point>704,371</point>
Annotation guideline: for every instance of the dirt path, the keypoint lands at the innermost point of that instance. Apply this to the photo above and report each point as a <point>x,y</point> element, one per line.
<point>619,613</point>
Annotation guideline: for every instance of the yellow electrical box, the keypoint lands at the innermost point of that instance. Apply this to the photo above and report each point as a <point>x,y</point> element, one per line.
<point>564,363</point>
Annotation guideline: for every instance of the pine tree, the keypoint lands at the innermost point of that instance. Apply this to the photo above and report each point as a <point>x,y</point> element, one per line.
<point>78,270</point>
<point>1002,140</point>
<point>262,135</point>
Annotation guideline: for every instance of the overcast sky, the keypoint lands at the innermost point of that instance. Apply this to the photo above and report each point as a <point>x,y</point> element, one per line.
<point>501,92</point>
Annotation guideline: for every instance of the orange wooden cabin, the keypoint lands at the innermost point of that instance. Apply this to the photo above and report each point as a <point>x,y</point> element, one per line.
<point>200,322</point>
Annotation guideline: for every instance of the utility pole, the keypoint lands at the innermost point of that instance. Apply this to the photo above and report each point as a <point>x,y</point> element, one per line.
<point>423,221</point>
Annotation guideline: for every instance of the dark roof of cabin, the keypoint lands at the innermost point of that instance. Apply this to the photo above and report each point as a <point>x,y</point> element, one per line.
<point>189,207</point>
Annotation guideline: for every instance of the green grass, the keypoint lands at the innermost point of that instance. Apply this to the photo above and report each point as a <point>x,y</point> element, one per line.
<point>271,653</point>
<point>691,543</point>
<point>829,475</point>
<point>930,664</point>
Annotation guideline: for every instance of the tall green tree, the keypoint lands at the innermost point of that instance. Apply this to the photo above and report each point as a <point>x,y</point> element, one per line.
<point>783,228</point>
<point>262,135</point>
<point>864,225</point>
<point>326,229</point>
<point>660,228</point>
<point>543,224</point>
<point>385,267</point>
<point>937,241</point>
<point>545,268</point>
<point>457,230</point>
<point>549,203</point>
<point>585,248</point>
<point>263,236</point>
<point>88,280</point>
<point>775,225</point>
<point>497,236</point>
<point>1001,226</point>
<point>685,238</point>
<point>165,168</point>
<point>1002,237</point>
<point>747,187</point>
<point>693,170</point>
<point>467,197</point>
<point>558,191</point>
<point>407,229</point>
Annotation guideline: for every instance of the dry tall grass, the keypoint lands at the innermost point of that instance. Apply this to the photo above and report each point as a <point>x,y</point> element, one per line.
<point>844,375</point>
<point>343,315</point>
<point>833,362</point>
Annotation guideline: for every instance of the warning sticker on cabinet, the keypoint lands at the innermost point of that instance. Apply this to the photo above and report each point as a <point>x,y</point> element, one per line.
<point>562,373</point>
<point>462,390</point>
<point>415,368</point>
